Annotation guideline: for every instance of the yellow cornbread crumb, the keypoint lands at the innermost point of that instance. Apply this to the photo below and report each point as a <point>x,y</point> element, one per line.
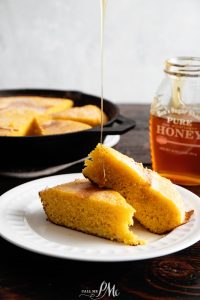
<point>83,206</point>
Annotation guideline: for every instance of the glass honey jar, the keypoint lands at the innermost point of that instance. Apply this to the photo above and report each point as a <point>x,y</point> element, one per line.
<point>175,122</point>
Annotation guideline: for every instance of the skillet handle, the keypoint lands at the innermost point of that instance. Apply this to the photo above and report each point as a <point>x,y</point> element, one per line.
<point>120,126</point>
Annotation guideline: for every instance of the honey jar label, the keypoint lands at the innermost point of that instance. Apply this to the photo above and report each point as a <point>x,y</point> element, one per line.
<point>176,135</point>
<point>175,146</point>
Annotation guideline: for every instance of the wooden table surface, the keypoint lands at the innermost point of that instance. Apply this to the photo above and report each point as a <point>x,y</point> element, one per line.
<point>26,275</point>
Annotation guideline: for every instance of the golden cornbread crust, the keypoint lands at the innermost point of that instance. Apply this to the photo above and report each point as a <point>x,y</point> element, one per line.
<point>36,104</point>
<point>82,206</point>
<point>159,206</point>
<point>89,114</point>
<point>49,126</point>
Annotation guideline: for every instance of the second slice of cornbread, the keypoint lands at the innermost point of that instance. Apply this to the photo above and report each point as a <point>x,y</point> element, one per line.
<point>83,206</point>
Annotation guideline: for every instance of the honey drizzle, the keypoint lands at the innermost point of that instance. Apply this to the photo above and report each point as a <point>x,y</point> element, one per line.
<point>103,12</point>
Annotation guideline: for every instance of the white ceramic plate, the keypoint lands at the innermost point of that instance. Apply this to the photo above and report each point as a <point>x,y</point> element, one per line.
<point>23,223</point>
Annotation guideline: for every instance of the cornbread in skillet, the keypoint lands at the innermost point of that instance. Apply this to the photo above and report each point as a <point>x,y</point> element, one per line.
<point>47,126</point>
<point>159,206</point>
<point>83,206</point>
<point>89,114</point>
<point>49,116</point>
<point>35,104</point>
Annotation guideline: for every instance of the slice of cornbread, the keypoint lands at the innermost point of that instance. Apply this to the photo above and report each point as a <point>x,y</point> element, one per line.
<point>35,104</point>
<point>15,123</point>
<point>159,206</point>
<point>89,114</point>
<point>46,126</point>
<point>53,105</point>
<point>83,206</point>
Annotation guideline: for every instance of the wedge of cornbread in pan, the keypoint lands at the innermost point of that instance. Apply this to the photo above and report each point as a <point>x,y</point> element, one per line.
<point>83,206</point>
<point>89,114</point>
<point>159,206</point>
<point>35,104</point>
<point>18,114</point>
<point>47,126</point>
<point>15,123</point>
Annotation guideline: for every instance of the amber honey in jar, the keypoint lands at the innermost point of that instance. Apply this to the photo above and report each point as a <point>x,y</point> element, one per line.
<point>175,122</point>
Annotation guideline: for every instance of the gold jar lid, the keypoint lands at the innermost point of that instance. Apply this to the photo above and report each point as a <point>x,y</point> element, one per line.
<point>183,66</point>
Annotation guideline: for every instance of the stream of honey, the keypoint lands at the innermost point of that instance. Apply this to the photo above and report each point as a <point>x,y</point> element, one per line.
<point>103,12</point>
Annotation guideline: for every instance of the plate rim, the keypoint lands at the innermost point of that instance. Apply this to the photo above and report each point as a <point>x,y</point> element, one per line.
<point>157,253</point>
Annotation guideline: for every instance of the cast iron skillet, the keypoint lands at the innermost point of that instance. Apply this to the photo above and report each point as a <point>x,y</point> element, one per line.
<point>51,150</point>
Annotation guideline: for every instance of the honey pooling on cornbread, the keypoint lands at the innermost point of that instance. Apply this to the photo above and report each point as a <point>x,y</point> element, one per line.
<point>159,206</point>
<point>83,206</point>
